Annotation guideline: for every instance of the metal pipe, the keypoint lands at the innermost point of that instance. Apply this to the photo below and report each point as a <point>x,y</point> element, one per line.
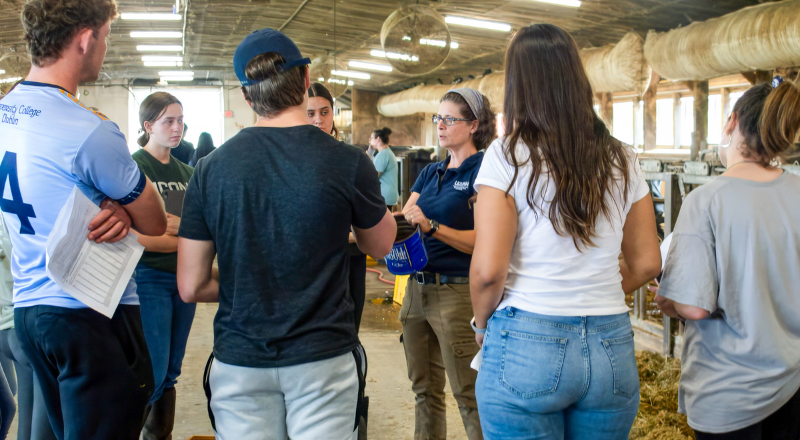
<point>185,17</point>
<point>297,11</point>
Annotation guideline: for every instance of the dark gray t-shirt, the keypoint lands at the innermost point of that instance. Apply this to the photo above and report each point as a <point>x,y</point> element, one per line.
<point>736,252</point>
<point>278,204</point>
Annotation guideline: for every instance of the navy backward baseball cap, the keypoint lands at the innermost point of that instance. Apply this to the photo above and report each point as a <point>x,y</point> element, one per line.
<point>262,41</point>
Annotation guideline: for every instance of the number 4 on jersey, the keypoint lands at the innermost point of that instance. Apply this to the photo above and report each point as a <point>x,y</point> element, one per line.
<point>8,172</point>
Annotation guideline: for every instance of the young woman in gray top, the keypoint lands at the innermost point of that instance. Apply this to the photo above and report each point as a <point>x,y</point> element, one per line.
<point>732,274</point>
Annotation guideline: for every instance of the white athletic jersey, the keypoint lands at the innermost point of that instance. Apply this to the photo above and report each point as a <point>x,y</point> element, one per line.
<point>50,144</point>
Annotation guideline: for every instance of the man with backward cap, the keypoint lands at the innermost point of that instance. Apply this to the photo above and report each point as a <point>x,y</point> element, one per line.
<point>276,204</point>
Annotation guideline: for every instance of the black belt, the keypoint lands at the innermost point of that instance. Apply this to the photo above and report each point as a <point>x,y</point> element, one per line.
<point>435,278</point>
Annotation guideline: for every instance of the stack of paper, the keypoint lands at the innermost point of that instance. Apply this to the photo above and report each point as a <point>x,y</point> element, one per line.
<point>94,274</point>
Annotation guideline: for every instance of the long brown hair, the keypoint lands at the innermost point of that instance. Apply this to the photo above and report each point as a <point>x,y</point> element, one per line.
<point>319,90</point>
<point>769,119</point>
<point>549,107</point>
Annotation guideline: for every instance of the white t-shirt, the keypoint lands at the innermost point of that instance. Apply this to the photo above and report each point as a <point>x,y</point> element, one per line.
<point>548,274</point>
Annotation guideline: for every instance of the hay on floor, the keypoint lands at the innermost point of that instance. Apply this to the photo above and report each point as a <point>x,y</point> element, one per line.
<point>658,417</point>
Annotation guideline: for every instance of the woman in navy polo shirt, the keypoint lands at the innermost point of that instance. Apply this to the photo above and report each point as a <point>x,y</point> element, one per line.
<point>437,310</point>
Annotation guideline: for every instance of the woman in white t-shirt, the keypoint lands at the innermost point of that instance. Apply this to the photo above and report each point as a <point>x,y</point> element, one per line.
<point>558,200</point>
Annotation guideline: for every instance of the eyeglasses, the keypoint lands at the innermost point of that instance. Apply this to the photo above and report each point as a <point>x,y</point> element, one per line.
<point>448,121</point>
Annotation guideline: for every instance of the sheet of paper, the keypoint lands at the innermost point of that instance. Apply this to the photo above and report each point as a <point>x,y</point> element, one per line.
<point>665,250</point>
<point>94,274</point>
<point>477,361</point>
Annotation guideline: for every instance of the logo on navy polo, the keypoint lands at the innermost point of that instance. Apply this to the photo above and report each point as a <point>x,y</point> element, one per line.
<point>461,186</point>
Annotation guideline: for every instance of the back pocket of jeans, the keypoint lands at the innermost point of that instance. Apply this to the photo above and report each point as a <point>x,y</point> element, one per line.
<point>622,356</point>
<point>531,364</point>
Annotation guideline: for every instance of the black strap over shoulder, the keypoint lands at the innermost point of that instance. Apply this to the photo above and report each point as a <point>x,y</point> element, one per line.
<point>362,407</point>
<point>207,389</point>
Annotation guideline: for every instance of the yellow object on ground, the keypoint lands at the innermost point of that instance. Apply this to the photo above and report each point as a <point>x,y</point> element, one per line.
<point>371,261</point>
<point>400,282</point>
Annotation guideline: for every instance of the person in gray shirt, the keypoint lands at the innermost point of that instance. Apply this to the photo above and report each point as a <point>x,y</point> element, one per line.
<point>732,274</point>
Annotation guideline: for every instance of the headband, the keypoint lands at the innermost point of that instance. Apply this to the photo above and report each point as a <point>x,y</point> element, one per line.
<point>473,97</point>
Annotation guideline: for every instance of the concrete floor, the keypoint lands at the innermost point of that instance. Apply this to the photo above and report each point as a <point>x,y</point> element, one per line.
<point>391,415</point>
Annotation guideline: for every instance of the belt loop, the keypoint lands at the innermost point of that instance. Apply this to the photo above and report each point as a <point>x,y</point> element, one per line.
<point>438,279</point>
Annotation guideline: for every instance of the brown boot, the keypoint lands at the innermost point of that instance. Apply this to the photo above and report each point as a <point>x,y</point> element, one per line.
<point>161,418</point>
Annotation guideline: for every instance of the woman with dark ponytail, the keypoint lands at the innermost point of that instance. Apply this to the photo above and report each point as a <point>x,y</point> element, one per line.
<point>166,319</point>
<point>385,163</point>
<point>732,275</point>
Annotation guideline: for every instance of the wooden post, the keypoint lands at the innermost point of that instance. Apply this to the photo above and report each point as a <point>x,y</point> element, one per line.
<point>700,92</point>
<point>677,120</point>
<point>637,130</point>
<point>763,76</point>
<point>758,76</point>
<point>725,92</point>
<point>606,101</point>
<point>650,112</point>
<point>672,206</point>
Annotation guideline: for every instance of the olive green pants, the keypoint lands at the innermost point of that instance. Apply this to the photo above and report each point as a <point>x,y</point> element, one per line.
<point>437,339</point>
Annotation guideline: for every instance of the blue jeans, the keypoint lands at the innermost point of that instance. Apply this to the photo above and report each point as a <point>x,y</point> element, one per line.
<point>557,377</point>
<point>166,320</point>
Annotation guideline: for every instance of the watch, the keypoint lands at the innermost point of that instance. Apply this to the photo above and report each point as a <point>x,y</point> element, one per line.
<point>477,330</point>
<point>434,227</point>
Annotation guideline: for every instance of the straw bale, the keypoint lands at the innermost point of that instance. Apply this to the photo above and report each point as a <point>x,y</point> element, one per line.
<point>611,68</point>
<point>617,67</point>
<point>761,37</point>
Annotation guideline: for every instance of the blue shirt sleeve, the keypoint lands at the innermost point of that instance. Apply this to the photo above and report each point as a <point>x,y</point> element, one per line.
<point>420,183</point>
<point>104,163</point>
<point>369,207</point>
<point>381,161</point>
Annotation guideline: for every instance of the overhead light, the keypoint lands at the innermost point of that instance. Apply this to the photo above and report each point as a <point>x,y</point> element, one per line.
<point>150,16</point>
<point>2,71</point>
<point>10,80</point>
<point>177,78</point>
<point>156,34</point>
<point>350,74</point>
<point>340,81</point>
<point>439,43</point>
<point>572,3</point>
<point>157,48</point>
<point>162,58</point>
<point>392,55</point>
<point>176,73</point>
<point>320,79</point>
<point>371,66</point>
<point>493,25</point>
<point>163,63</point>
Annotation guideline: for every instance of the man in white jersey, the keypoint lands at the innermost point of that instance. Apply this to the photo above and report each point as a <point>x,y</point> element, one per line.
<point>95,372</point>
